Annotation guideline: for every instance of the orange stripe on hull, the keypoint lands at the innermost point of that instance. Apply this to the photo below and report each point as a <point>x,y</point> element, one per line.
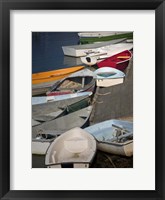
<point>49,76</point>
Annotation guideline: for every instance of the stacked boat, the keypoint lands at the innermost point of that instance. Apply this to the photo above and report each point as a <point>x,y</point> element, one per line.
<point>85,49</point>
<point>75,148</point>
<point>49,120</point>
<point>114,54</point>
<point>43,81</point>
<point>113,136</point>
<point>82,81</point>
<point>99,34</point>
<point>108,76</point>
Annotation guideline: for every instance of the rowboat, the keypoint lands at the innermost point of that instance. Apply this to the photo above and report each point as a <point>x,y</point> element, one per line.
<point>105,53</point>
<point>113,136</point>
<point>49,76</point>
<point>73,149</point>
<point>81,81</point>
<point>43,135</point>
<point>83,50</point>
<point>48,99</point>
<point>51,129</point>
<point>119,61</point>
<point>49,111</point>
<point>108,76</point>
<point>99,34</point>
<point>103,36</point>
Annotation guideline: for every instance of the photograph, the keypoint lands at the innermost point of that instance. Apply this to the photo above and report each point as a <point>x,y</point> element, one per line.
<point>82,99</point>
<point>92,98</point>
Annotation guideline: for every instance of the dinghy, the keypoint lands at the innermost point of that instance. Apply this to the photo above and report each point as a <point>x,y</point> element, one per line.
<point>119,61</point>
<point>73,149</point>
<point>107,76</point>
<point>81,81</point>
<point>49,111</point>
<point>113,136</point>
<point>52,129</point>
<point>84,49</point>
<point>44,134</point>
<point>99,34</point>
<point>49,76</point>
<point>48,99</point>
<point>107,53</point>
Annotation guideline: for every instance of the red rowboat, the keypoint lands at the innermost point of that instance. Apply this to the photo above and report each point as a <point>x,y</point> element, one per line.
<point>119,61</point>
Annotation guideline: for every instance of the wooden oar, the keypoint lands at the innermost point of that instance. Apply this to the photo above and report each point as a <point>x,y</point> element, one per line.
<point>123,57</point>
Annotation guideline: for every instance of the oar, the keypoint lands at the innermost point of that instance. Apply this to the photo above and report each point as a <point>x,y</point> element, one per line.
<point>126,57</point>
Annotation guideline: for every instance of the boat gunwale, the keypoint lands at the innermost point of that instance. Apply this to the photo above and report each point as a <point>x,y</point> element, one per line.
<point>117,71</point>
<point>91,84</point>
<point>94,45</point>
<point>115,144</point>
<point>126,59</point>
<point>43,78</point>
<point>51,147</point>
<point>119,61</point>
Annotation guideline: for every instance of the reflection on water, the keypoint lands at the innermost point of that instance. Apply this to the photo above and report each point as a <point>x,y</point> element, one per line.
<point>47,51</point>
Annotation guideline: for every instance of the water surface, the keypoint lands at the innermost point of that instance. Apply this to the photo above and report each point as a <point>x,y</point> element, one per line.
<point>47,51</point>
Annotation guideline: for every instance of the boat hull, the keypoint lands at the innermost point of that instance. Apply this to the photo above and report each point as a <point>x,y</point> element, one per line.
<point>119,61</point>
<point>59,125</point>
<point>49,76</point>
<point>48,99</point>
<point>109,82</point>
<point>98,34</point>
<point>73,149</point>
<point>108,142</point>
<point>123,150</point>
<point>82,81</point>
<point>48,111</point>
<point>83,50</point>
<point>40,145</point>
<point>107,76</point>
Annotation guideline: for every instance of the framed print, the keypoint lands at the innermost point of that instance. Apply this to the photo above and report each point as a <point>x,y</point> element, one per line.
<point>28,29</point>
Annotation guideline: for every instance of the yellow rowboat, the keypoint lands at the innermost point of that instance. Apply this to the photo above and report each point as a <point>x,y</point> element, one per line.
<point>49,76</point>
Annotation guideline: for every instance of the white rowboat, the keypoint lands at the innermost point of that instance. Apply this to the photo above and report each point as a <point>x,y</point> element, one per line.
<point>113,136</point>
<point>84,49</point>
<point>107,76</point>
<point>73,149</point>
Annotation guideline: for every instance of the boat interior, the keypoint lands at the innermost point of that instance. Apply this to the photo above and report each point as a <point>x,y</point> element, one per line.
<point>75,83</point>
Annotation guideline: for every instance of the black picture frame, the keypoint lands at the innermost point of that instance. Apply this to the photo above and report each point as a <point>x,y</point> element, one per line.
<point>5,7</point>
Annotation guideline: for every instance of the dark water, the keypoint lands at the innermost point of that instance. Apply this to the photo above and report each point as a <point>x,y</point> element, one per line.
<point>47,51</point>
